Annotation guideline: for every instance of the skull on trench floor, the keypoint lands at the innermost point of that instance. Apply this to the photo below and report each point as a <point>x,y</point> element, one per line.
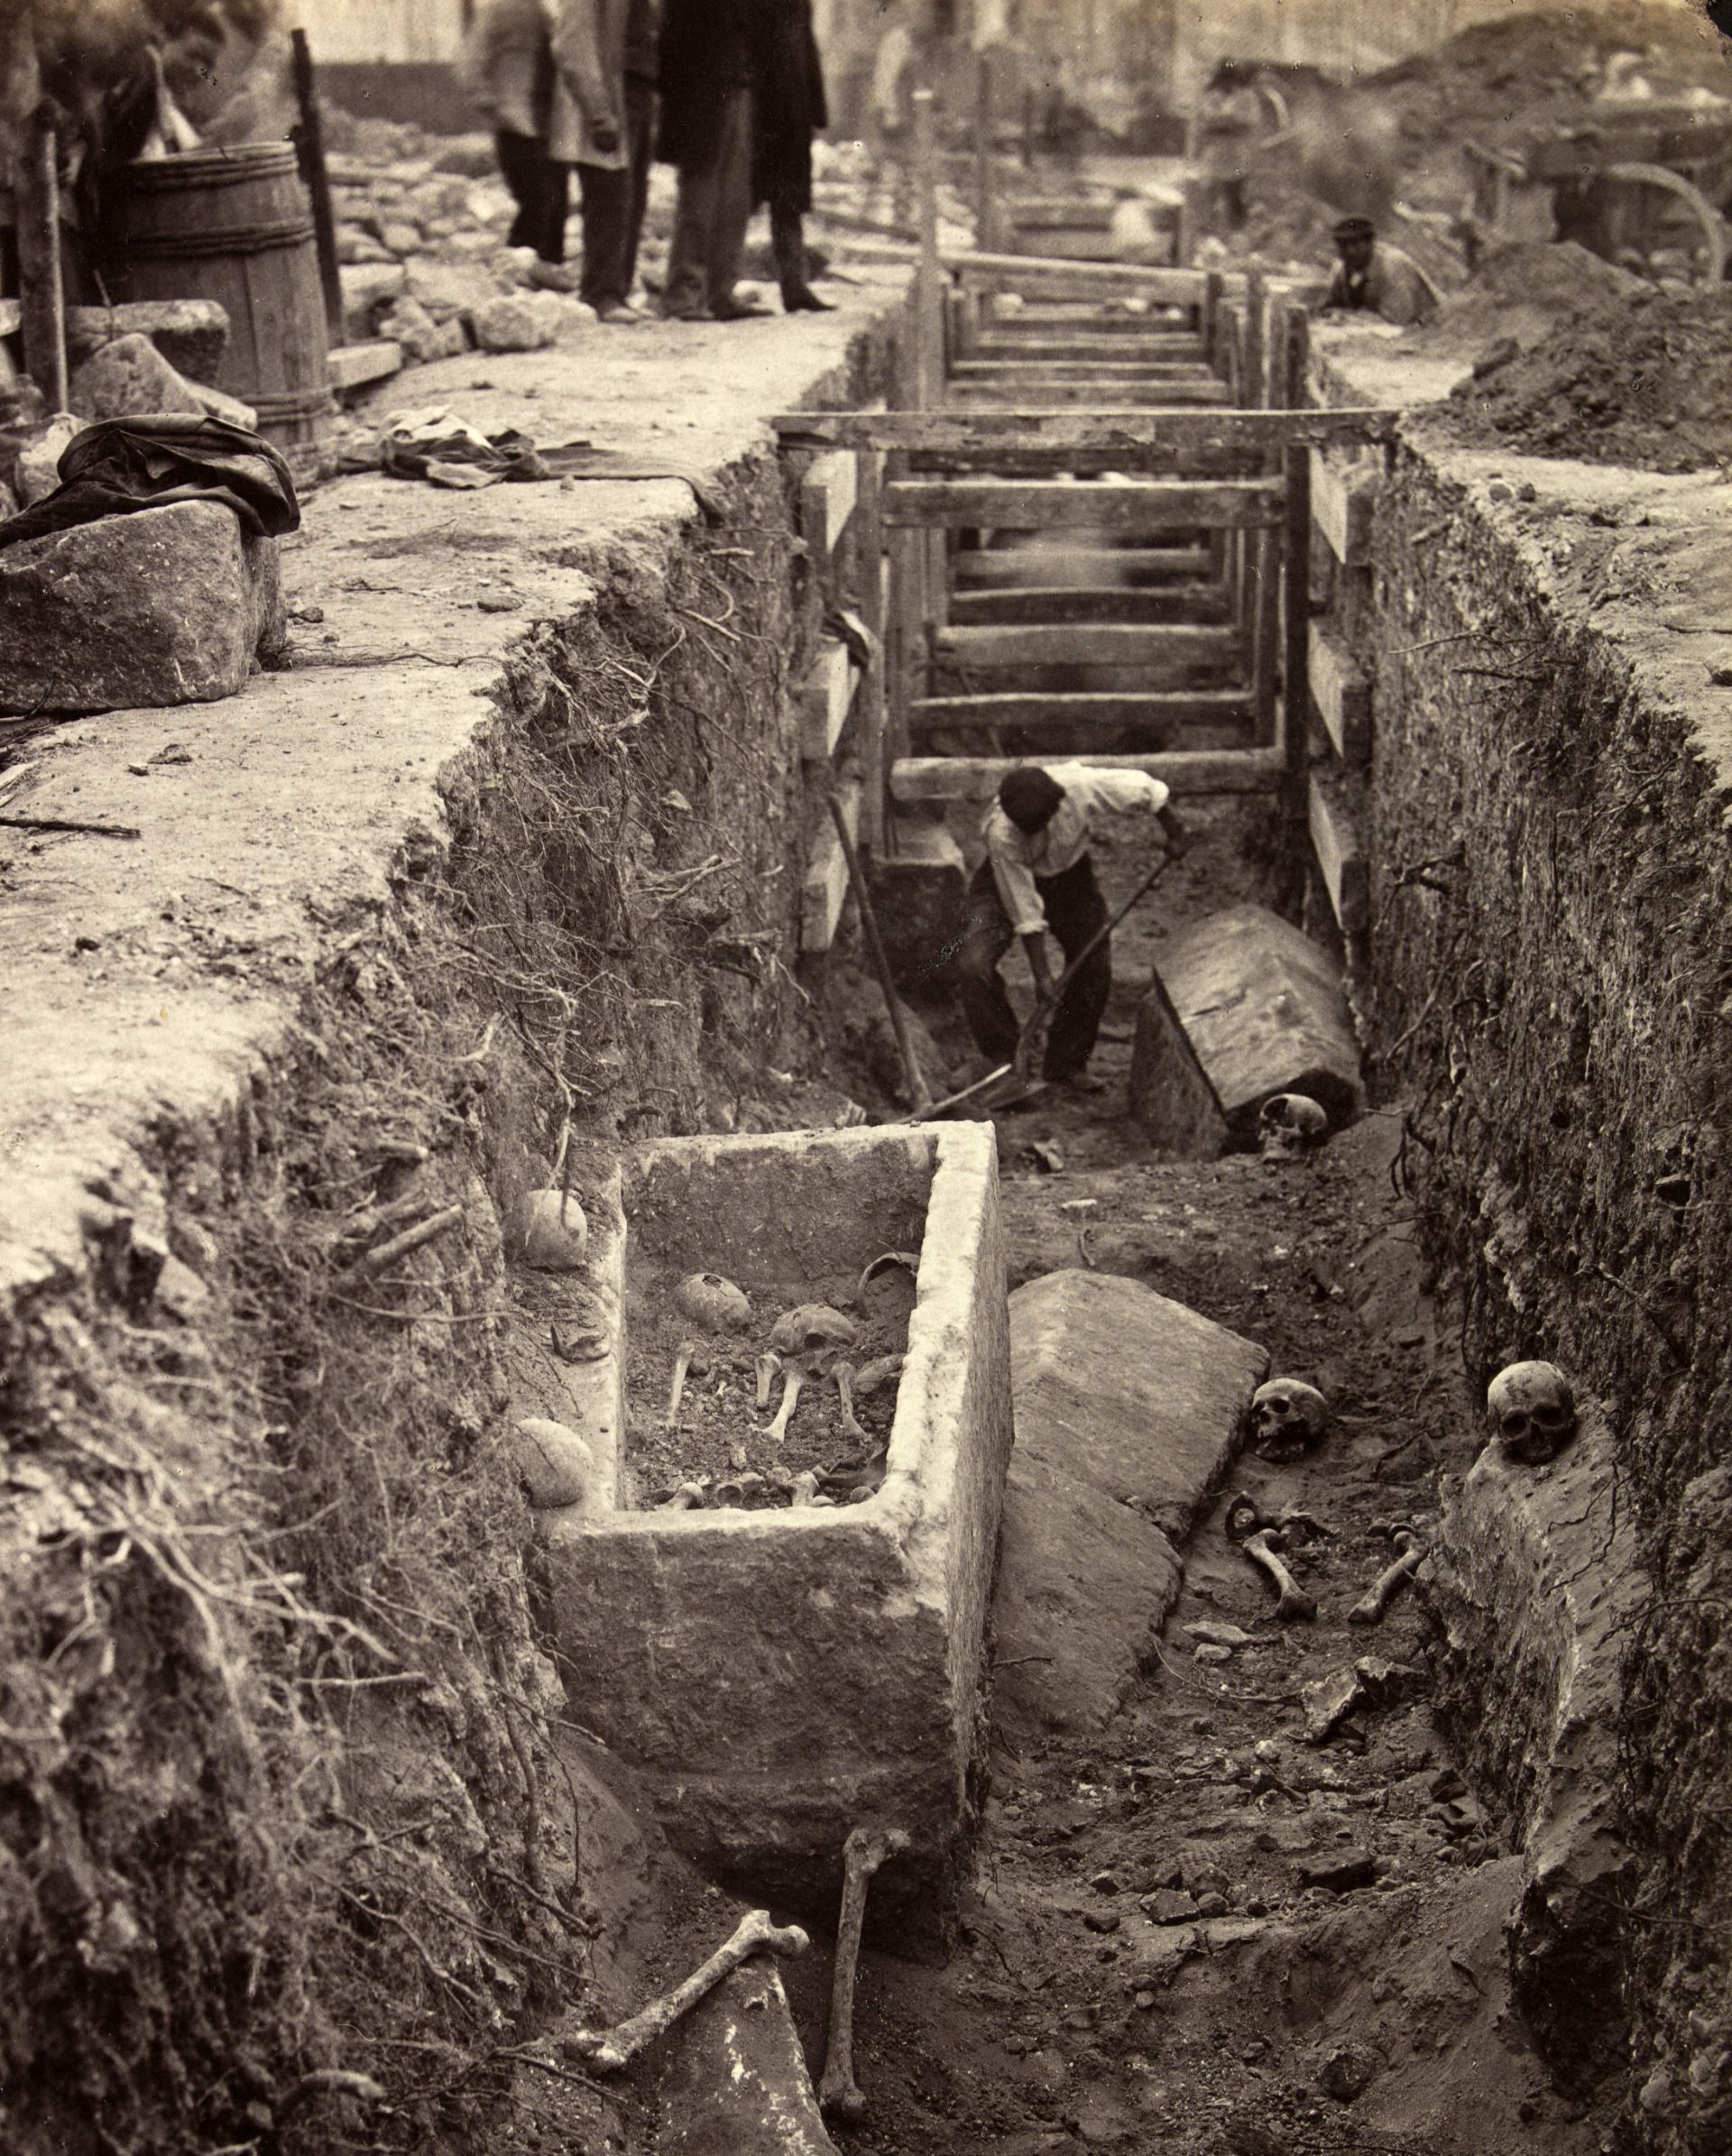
<point>1532,1411</point>
<point>1290,1124</point>
<point>716,1305</point>
<point>1288,1418</point>
<point>814,1336</point>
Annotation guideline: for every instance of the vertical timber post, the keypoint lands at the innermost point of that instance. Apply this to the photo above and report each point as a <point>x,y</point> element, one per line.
<point>1297,359</point>
<point>869,556</point>
<point>309,156</point>
<point>1295,659</point>
<point>929,326</point>
<point>986,201</point>
<point>42,294</point>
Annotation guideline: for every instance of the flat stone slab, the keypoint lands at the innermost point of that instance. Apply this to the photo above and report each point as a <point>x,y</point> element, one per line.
<point>1128,1407</point>
<point>775,1676</point>
<point>1263,1007</point>
<point>738,2081</point>
<point>160,607</point>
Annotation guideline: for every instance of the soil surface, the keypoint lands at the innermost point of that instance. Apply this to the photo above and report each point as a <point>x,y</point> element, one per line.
<point>1201,1930</point>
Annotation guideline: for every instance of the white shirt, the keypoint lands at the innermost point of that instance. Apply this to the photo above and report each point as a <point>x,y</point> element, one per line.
<point>1018,856</point>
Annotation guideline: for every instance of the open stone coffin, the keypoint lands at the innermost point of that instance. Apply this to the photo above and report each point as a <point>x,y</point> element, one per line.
<point>776,1678</point>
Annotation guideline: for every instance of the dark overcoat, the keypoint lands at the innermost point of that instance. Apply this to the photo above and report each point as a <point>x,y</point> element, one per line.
<point>709,46</point>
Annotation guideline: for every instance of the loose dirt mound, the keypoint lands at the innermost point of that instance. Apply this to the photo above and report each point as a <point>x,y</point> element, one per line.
<point>1503,78</point>
<point>1643,379</point>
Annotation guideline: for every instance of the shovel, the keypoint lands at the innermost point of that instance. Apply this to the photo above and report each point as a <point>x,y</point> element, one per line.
<point>1019,1081</point>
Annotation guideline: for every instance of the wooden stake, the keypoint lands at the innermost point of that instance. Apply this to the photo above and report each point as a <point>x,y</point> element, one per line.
<point>986,204</point>
<point>309,154</point>
<point>37,193</point>
<point>1295,657</point>
<point>929,326</point>
<point>919,1092</point>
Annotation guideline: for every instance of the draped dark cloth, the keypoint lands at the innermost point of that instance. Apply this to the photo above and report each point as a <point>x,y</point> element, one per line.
<point>119,466</point>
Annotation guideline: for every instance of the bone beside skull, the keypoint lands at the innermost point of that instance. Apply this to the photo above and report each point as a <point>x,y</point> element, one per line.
<point>1532,1410</point>
<point>1290,1124</point>
<point>1288,1417</point>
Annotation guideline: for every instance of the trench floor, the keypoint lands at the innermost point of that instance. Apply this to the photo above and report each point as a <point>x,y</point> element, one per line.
<point>1145,1957</point>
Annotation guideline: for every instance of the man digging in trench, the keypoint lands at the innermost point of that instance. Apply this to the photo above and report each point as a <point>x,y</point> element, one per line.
<point>1038,877</point>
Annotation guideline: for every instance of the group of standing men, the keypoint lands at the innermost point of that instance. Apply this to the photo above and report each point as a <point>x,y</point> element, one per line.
<point>729,91</point>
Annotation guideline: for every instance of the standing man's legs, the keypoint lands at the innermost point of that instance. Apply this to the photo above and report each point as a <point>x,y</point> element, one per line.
<point>613,208</point>
<point>538,187</point>
<point>980,988</point>
<point>733,203</point>
<point>711,217</point>
<point>1074,911</point>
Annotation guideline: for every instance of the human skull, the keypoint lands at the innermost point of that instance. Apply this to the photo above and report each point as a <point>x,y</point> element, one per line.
<point>1532,1411</point>
<point>715,1303</point>
<point>1288,1419</point>
<point>812,1336</point>
<point>1289,1125</point>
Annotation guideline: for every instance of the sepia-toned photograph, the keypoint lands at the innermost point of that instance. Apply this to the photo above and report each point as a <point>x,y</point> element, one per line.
<point>865,1159</point>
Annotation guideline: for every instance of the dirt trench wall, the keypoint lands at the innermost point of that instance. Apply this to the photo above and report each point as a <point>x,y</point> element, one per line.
<point>1552,978</point>
<point>276,1790</point>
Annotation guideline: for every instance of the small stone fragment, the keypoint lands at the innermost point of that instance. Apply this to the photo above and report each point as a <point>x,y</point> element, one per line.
<point>511,323</point>
<point>1341,1871</point>
<point>1216,1634</point>
<point>1347,2073</point>
<point>1207,1651</point>
<point>1329,1701</point>
<point>1169,1905</point>
<point>1106,1883</point>
<point>1101,1920</point>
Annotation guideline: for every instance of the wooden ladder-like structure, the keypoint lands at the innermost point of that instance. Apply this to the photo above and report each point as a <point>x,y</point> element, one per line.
<point>1087,529</point>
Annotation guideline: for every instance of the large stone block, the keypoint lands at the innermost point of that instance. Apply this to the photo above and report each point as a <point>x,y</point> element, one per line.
<point>1263,1007</point>
<point>1128,1409</point>
<point>1170,1094</point>
<point>192,334</point>
<point>1536,1580</point>
<point>130,378</point>
<point>917,888</point>
<point>775,1676</point>
<point>162,607</point>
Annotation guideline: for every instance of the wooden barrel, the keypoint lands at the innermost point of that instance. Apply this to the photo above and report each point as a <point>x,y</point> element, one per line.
<point>235,226</point>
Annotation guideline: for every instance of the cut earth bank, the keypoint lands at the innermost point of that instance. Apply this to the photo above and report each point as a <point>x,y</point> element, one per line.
<point>296,1784</point>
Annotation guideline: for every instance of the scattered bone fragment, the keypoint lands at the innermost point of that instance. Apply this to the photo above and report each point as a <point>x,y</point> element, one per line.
<point>843,1375</point>
<point>690,1361</point>
<point>1289,1420</point>
<point>1329,1701</point>
<point>804,1489</point>
<point>767,1366</point>
<point>1369,1609</point>
<point>1290,1125</point>
<point>864,1851</point>
<point>1293,1605</point>
<point>876,1374</point>
<point>608,2051</point>
<point>792,1383</point>
<point>1212,1632</point>
<point>690,1496</point>
<point>740,1490</point>
<point>1532,1409</point>
<point>909,1261</point>
<point>1244,1516</point>
<point>713,1303</point>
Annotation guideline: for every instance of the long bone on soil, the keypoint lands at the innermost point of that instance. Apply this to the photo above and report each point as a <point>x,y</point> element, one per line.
<point>865,1849</point>
<point>608,2051</point>
<point>690,1360</point>
<point>1295,1605</point>
<point>793,1379</point>
<point>1369,1609</point>
<point>843,1375</point>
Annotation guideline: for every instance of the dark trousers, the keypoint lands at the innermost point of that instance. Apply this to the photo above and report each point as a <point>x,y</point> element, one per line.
<point>787,244</point>
<point>1074,910</point>
<point>541,191</point>
<point>613,204</point>
<point>710,213</point>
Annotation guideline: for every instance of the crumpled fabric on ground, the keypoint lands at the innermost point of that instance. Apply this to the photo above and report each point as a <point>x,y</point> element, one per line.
<point>439,446</point>
<point>119,466</point>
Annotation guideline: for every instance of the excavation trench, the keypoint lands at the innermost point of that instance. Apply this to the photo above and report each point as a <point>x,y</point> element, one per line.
<point>326,1749</point>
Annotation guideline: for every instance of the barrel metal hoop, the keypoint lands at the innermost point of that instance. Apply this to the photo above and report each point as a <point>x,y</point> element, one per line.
<point>232,239</point>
